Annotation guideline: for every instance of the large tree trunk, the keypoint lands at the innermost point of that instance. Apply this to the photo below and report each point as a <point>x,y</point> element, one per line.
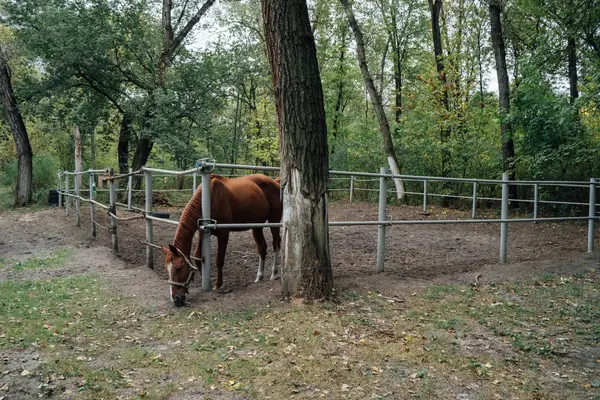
<point>125,135</point>
<point>292,54</point>
<point>23,190</point>
<point>508,147</point>
<point>436,10</point>
<point>384,126</point>
<point>142,152</point>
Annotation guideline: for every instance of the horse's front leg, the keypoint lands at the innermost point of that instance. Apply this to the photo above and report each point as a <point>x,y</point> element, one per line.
<point>261,245</point>
<point>198,254</point>
<point>223,239</point>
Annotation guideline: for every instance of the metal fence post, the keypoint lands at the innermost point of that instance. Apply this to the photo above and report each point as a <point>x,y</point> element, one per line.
<point>424,195</point>
<point>77,179</point>
<point>382,217</point>
<point>148,208</point>
<point>194,177</point>
<point>351,187</point>
<point>504,217</point>
<point>92,205</point>
<point>206,284</point>
<point>535,201</point>
<point>129,188</point>
<point>474,207</point>
<point>68,198</point>
<point>112,209</point>
<point>60,195</point>
<point>592,215</point>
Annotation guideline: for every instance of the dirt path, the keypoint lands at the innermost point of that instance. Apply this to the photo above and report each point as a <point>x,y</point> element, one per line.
<point>415,255</point>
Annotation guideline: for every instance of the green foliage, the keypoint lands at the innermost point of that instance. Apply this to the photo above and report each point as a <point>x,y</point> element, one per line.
<point>89,62</point>
<point>44,176</point>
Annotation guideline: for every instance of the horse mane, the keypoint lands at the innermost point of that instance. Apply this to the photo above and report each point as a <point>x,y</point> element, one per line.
<point>188,221</point>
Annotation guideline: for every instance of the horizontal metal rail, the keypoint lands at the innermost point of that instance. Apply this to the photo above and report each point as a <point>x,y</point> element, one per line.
<point>247,167</point>
<point>89,171</point>
<point>163,220</point>
<point>115,177</point>
<point>403,222</point>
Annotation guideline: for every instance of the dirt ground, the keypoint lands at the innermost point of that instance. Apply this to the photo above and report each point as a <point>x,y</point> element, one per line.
<point>415,254</point>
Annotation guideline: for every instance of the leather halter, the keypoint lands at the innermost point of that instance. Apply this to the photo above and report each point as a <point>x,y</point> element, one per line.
<point>193,268</point>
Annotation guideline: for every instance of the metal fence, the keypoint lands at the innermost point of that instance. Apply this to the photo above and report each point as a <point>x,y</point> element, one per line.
<point>205,167</point>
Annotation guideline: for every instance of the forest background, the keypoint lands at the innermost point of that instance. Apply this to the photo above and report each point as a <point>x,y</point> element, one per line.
<point>140,94</point>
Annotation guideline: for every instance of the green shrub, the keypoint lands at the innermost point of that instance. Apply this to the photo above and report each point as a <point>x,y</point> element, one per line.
<point>44,176</point>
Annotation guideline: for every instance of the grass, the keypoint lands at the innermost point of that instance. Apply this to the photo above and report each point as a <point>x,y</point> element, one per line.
<point>508,340</point>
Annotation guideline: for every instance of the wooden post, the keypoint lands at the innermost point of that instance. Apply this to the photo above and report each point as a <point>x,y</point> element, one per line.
<point>68,198</point>
<point>113,209</point>
<point>129,189</point>
<point>92,205</point>
<point>77,201</point>
<point>60,195</point>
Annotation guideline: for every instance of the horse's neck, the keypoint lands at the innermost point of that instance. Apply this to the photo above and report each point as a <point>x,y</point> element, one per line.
<point>188,225</point>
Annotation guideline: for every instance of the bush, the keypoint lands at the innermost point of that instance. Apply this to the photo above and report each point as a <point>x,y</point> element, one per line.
<point>44,176</point>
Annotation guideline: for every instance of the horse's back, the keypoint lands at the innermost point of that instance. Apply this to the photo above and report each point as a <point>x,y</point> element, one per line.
<point>247,199</point>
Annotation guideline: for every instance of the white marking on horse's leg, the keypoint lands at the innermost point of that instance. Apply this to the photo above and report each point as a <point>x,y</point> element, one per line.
<point>261,269</point>
<point>274,271</point>
<point>169,268</point>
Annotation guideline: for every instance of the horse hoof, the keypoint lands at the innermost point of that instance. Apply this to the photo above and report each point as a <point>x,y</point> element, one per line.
<point>274,277</point>
<point>258,279</point>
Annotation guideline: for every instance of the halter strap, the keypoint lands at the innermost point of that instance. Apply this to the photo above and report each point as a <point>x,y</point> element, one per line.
<point>193,268</point>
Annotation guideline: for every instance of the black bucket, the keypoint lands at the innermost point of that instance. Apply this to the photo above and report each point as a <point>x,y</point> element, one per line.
<point>53,197</point>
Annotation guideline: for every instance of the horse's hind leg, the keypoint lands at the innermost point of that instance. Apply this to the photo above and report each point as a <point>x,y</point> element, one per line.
<point>261,245</point>
<point>276,248</point>
<point>223,239</point>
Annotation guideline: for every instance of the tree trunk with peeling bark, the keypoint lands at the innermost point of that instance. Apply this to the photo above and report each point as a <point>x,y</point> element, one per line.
<point>292,54</point>
<point>384,126</point>
<point>23,190</point>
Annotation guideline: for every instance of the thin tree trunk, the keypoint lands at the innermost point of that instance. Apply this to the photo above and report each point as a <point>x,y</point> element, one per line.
<point>340,94</point>
<point>78,154</point>
<point>23,190</point>
<point>572,60</point>
<point>303,146</point>
<point>93,148</point>
<point>436,10</point>
<point>384,126</point>
<point>235,130</point>
<point>508,147</point>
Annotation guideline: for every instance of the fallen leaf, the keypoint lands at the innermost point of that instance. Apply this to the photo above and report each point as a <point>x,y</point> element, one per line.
<point>345,388</point>
<point>25,372</point>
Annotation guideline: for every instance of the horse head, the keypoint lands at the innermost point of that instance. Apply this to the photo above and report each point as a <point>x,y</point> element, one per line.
<point>181,273</point>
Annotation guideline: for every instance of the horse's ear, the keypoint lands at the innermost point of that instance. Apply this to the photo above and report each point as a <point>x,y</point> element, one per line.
<point>173,250</point>
<point>164,250</point>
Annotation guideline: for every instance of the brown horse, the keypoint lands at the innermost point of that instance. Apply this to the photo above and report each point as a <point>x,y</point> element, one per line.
<point>248,199</point>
